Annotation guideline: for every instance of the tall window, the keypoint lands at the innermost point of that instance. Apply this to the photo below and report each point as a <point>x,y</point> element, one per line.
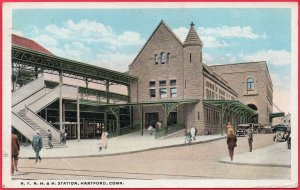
<point>190,57</point>
<point>152,93</point>
<point>173,92</point>
<point>152,90</point>
<point>168,58</point>
<point>250,84</point>
<point>163,58</point>
<point>163,92</point>
<point>156,59</point>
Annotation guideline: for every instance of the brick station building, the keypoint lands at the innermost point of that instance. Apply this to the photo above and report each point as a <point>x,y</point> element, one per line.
<point>167,82</point>
<point>169,70</point>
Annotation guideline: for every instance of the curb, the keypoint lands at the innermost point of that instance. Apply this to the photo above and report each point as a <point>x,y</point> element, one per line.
<point>256,164</point>
<point>131,152</point>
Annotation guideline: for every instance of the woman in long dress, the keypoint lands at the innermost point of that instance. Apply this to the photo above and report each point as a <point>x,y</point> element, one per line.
<point>103,140</point>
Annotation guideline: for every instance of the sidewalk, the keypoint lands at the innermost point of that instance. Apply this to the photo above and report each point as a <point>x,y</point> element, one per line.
<point>279,154</point>
<point>129,143</point>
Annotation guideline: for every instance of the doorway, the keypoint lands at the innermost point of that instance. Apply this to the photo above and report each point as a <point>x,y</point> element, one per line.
<point>151,119</point>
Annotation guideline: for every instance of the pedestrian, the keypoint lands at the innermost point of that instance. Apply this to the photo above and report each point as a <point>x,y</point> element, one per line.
<point>150,129</point>
<point>228,127</point>
<point>50,139</point>
<point>15,148</point>
<point>231,142</point>
<point>188,137</point>
<point>61,134</point>
<point>193,133</point>
<point>37,145</point>
<point>250,138</point>
<point>103,140</point>
<point>65,134</point>
<point>158,125</point>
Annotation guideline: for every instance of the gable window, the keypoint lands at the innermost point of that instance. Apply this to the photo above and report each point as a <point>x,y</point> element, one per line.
<point>163,92</point>
<point>168,58</point>
<point>156,59</point>
<point>162,83</point>
<point>163,58</point>
<point>250,84</point>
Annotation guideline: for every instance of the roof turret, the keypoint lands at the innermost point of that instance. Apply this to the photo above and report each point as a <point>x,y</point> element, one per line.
<point>192,38</point>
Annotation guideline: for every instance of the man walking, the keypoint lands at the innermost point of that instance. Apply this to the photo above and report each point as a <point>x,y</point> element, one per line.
<point>37,145</point>
<point>15,148</point>
<point>250,139</point>
<point>50,139</point>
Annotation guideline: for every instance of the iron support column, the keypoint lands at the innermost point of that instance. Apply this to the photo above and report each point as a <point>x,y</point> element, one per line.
<point>107,91</point>
<point>60,110</point>
<point>105,120</point>
<point>78,116</point>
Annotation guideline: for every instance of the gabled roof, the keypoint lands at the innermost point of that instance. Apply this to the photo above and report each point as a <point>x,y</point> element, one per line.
<point>192,38</point>
<point>29,44</point>
<point>167,27</point>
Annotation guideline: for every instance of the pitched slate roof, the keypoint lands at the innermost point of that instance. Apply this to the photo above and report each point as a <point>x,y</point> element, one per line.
<point>29,44</point>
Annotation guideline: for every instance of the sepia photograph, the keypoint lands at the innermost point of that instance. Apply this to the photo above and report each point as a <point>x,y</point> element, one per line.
<point>150,95</point>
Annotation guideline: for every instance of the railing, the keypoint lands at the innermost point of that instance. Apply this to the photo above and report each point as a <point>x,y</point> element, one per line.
<point>136,127</point>
<point>168,130</point>
<point>68,92</point>
<point>27,130</point>
<point>43,123</point>
<point>21,105</point>
<point>125,130</point>
<point>22,93</point>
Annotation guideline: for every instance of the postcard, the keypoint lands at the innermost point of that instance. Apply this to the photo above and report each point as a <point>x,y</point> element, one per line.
<point>150,95</point>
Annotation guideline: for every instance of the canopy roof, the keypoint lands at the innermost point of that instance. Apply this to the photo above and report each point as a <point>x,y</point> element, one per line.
<point>44,61</point>
<point>231,105</point>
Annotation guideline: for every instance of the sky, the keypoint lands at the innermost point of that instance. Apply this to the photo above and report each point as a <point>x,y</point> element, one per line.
<point>112,38</point>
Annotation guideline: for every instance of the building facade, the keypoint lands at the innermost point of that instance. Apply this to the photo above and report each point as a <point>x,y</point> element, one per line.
<point>253,84</point>
<point>168,69</point>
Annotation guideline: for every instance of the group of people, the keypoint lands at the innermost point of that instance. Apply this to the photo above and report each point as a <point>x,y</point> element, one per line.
<point>190,136</point>
<point>232,139</point>
<point>37,145</point>
<point>155,125</point>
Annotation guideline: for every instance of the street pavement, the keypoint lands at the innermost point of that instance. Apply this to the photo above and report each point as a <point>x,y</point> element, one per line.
<point>281,156</point>
<point>129,143</point>
<point>135,142</point>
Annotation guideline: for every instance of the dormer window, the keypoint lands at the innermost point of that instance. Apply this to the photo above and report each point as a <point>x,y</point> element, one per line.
<point>163,58</point>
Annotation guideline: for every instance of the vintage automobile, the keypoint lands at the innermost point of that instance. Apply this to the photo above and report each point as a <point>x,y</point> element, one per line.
<point>279,134</point>
<point>242,129</point>
<point>266,129</point>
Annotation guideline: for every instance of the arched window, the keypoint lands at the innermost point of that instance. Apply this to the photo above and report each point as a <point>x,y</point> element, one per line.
<point>163,58</point>
<point>156,59</point>
<point>250,84</point>
<point>168,58</point>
